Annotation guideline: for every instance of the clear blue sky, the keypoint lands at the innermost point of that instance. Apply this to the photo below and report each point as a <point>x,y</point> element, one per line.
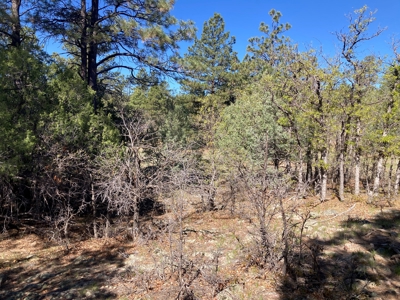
<point>313,21</point>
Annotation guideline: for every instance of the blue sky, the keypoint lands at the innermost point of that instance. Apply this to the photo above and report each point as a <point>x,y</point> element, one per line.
<point>313,22</point>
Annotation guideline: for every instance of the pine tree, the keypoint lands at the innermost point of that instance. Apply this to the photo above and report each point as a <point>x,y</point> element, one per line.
<point>210,65</point>
<point>105,36</point>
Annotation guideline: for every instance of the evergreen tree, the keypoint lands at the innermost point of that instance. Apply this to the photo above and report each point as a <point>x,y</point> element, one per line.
<point>210,65</point>
<point>170,113</point>
<point>264,52</point>
<point>105,36</point>
<point>10,22</point>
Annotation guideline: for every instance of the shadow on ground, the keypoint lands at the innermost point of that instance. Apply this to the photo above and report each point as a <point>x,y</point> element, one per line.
<point>60,276</point>
<point>361,261</point>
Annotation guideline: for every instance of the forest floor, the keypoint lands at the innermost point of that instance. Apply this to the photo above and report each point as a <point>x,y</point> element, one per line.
<point>351,250</point>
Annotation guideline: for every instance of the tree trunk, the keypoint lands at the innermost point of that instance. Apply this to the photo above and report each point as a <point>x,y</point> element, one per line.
<point>84,43</point>
<point>389,180</point>
<point>317,175</point>
<point>378,175</point>
<point>212,190</point>
<point>135,180</point>
<point>341,175</point>
<point>342,145</point>
<point>357,160</point>
<point>16,23</point>
<point>309,173</point>
<point>135,218</point>
<point>397,182</point>
<point>300,186</point>
<point>107,229</point>
<point>92,57</point>
<point>261,212</point>
<point>324,175</point>
<point>94,211</point>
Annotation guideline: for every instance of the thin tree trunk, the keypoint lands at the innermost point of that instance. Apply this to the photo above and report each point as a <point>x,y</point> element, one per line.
<point>309,173</point>
<point>349,166</point>
<point>181,254</point>
<point>300,187</point>
<point>378,175</point>
<point>342,145</point>
<point>341,175</point>
<point>383,175</point>
<point>84,43</point>
<point>285,238</point>
<point>317,176</point>
<point>94,210</point>
<point>261,208</point>
<point>379,166</point>
<point>212,190</point>
<point>389,183</point>
<point>107,229</point>
<point>357,160</point>
<point>397,182</point>
<point>135,217</point>
<point>324,174</point>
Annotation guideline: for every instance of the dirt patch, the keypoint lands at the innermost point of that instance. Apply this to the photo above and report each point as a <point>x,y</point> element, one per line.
<point>351,250</point>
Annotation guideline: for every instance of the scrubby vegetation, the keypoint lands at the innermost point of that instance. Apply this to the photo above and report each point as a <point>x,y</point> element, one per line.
<point>275,177</point>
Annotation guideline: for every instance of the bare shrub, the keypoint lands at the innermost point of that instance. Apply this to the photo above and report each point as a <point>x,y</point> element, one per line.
<point>61,187</point>
<point>128,174</point>
<point>275,202</point>
<point>137,172</point>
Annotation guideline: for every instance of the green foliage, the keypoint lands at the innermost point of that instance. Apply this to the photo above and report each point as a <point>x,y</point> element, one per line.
<point>246,127</point>
<point>210,64</point>
<point>23,99</point>
<point>264,52</point>
<point>104,36</point>
<point>382,122</point>
<point>72,121</point>
<point>170,113</point>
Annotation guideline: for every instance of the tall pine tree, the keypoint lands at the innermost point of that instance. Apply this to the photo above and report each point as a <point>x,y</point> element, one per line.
<point>210,65</point>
